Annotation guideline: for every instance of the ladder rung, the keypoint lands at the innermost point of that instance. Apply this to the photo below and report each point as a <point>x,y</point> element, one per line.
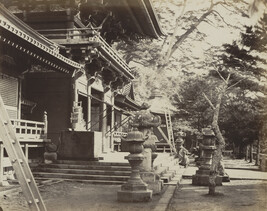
<point>14,160</point>
<point>36,200</point>
<point>28,180</point>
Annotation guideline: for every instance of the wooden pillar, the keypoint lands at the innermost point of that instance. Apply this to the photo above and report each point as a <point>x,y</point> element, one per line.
<point>112,123</point>
<point>27,152</point>
<point>1,163</point>
<point>19,99</point>
<point>104,124</point>
<point>45,125</point>
<point>89,108</point>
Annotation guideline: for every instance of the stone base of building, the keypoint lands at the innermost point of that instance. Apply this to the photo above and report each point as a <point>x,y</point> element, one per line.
<point>134,196</point>
<point>203,180</point>
<point>153,181</point>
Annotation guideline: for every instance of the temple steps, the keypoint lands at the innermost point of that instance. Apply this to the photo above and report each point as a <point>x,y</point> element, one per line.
<point>80,176</point>
<point>78,166</point>
<point>84,171</point>
<point>97,172</point>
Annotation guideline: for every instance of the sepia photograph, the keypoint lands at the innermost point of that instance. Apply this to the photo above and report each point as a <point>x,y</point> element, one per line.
<point>133,105</point>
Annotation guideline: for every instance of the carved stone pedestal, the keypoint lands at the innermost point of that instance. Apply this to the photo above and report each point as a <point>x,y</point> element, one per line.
<point>135,190</point>
<point>208,146</point>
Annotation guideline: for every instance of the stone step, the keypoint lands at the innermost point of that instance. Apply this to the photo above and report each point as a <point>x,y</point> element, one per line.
<point>88,167</point>
<point>96,163</point>
<point>92,171</point>
<point>100,182</point>
<point>79,176</point>
<point>82,171</point>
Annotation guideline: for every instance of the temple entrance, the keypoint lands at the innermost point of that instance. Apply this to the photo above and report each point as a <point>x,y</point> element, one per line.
<point>96,110</point>
<point>84,104</point>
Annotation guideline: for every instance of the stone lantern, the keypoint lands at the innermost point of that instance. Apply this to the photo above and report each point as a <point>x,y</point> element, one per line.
<point>208,147</point>
<point>144,120</point>
<point>135,190</point>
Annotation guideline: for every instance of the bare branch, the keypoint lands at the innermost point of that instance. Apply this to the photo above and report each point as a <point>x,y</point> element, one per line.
<point>193,27</point>
<point>217,13</point>
<point>208,100</point>
<point>235,84</point>
<point>228,78</point>
<point>167,57</point>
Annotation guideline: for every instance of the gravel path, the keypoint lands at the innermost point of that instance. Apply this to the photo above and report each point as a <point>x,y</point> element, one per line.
<point>75,196</point>
<point>237,195</point>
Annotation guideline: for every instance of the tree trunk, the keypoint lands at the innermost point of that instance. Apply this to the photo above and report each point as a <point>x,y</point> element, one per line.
<point>251,153</point>
<point>246,156</point>
<point>258,153</point>
<point>217,155</point>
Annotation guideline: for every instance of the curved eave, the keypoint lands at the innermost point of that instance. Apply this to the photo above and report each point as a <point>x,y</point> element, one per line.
<point>107,53</point>
<point>127,101</point>
<point>14,20</point>
<point>154,17</point>
<point>145,14</point>
<point>45,53</point>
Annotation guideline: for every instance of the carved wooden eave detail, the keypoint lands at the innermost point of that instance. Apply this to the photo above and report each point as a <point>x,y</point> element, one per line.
<point>125,17</point>
<point>25,41</point>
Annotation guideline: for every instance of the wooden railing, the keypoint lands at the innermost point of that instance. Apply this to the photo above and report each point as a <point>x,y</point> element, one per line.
<point>30,134</point>
<point>117,134</point>
<point>28,131</point>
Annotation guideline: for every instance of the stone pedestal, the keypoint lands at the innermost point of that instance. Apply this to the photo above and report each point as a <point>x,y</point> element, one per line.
<point>153,181</point>
<point>135,190</point>
<point>144,120</point>
<point>208,146</point>
<point>263,162</point>
<point>145,166</point>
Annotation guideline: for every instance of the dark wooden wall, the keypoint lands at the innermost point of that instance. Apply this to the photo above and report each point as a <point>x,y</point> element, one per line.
<point>53,93</point>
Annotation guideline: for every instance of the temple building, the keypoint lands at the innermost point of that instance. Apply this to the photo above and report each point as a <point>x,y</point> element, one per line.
<point>64,65</point>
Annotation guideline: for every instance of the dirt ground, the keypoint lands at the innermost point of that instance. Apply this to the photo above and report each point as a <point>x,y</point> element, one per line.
<point>237,195</point>
<point>75,196</point>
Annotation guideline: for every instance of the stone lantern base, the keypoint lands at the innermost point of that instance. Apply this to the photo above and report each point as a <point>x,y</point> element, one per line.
<point>153,181</point>
<point>134,196</point>
<point>135,190</point>
<point>202,178</point>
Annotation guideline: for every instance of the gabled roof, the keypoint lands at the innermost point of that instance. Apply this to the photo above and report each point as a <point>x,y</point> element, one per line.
<point>48,51</point>
<point>125,97</point>
<point>144,12</point>
<point>138,16</point>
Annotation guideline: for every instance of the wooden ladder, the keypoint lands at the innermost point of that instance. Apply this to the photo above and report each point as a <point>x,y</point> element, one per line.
<point>169,129</point>
<point>19,162</point>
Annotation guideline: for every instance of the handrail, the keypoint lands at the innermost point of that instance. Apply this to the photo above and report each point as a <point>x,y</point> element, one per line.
<point>27,121</point>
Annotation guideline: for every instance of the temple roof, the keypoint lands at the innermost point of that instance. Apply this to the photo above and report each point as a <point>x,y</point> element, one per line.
<point>143,17</point>
<point>125,97</point>
<point>31,42</point>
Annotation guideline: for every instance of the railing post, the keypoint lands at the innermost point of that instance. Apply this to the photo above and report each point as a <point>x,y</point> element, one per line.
<point>1,163</point>
<point>45,125</point>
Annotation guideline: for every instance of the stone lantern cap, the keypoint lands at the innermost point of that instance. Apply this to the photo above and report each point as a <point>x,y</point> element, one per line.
<point>179,140</point>
<point>144,118</point>
<point>134,135</point>
<point>180,134</point>
<point>207,132</point>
